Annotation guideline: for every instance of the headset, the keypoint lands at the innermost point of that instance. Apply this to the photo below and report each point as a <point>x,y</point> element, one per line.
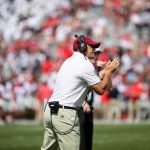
<point>82,45</point>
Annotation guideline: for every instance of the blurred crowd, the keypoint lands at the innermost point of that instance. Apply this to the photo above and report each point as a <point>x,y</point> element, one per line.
<point>36,36</point>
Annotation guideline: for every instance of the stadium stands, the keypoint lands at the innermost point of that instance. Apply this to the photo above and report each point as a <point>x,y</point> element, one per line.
<point>36,36</point>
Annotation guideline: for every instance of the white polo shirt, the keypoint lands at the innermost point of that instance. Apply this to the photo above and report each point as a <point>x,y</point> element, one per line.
<point>73,80</point>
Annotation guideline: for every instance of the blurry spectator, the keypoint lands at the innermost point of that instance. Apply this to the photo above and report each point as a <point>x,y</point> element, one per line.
<point>114,111</point>
<point>46,65</point>
<point>43,93</point>
<point>127,61</point>
<point>7,99</point>
<point>105,101</point>
<point>136,90</point>
<point>1,107</point>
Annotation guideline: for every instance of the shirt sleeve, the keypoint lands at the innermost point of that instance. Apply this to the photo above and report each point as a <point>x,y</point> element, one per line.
<point>89,74</point>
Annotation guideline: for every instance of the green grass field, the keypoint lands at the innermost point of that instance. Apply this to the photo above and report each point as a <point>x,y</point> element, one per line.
<point>106,137</point>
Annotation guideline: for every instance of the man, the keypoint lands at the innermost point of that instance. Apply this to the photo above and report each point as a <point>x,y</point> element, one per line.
<point>86,113</point>
<point>76,76</point>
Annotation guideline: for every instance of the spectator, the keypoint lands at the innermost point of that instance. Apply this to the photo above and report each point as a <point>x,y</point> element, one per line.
<point>43,92</point>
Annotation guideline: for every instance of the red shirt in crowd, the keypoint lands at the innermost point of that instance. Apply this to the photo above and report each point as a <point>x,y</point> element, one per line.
<point>105,98</point>
<point>44,92</point>
<point>136,89</point>
<point>47,66</point>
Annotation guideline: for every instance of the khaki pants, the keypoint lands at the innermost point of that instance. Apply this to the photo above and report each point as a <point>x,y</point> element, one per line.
<point>61,130</point>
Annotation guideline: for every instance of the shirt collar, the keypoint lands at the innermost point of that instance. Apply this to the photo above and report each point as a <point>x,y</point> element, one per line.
<point>81,55</point>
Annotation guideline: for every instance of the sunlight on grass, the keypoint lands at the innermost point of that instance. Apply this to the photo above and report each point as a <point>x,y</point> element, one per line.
<point>106,137</point>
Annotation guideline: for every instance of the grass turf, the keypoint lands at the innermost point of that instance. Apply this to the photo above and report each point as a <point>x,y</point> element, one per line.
<point>106,137</point>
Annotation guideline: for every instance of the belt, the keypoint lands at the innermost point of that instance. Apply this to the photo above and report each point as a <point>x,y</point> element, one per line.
<point>67,107</point>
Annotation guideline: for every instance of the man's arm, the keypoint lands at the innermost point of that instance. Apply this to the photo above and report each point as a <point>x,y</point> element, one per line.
<point>110,68</point>
<point>109,85</point>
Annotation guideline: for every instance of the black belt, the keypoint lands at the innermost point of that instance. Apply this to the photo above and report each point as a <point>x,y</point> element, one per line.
<point>67,107</point>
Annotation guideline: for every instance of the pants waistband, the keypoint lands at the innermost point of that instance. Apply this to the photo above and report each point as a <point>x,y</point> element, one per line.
<point>67,107</point>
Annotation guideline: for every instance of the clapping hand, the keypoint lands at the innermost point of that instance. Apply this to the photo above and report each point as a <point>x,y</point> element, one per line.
<point>112,66</point>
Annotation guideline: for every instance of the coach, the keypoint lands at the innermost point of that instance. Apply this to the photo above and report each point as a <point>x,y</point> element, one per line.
<point>76,76</point>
